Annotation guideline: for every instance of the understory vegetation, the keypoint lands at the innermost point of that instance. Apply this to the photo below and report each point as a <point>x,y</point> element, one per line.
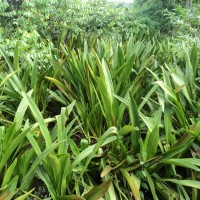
<point>99,100</point>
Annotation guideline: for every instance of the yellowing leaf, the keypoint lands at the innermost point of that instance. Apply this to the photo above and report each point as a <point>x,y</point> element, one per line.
<point>132,184</point>
<point>106,170</point>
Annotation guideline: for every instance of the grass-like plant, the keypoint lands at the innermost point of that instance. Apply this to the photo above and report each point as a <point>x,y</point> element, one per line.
<point>108,119</point>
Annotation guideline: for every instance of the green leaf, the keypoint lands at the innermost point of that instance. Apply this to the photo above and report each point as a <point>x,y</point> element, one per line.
<point>100,142</point>
<point>34,143</point>
<point>189,183</point>
<point>194,161</point>
<point>19,114</point>
<point>70,197</point>
<point>168,112</point>
<point>35,164</point>
<point>151,184</point>
<point>132,183</point>
<point>56,82</point>
<point>34,76</point>
<point>16,57</point>
<point>24,196</point>
<point>184,163</point>
<point>7,77</point>
<point>151,142</point>
<point>12,187</point>
<point>146,98</point>
<point>90,150</point>
<point>173,152</point>
<point>189,71</point>
<point>16,79</point>
<point>98,191</point>
<point>197,128</point>
<point>194,58</point>
<point>108,80</point>
<point>38,117</point>
<point>41,172</point>
<point>13,145</point>
<point>9,173</point>
<point>167,90</point>
<point>127,129</point>
<point>135,120</point>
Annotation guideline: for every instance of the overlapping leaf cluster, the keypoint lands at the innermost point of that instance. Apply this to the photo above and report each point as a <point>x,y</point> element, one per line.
<point>128,111</point>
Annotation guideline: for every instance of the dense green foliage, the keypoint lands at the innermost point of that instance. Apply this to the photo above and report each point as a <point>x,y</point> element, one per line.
<point>99,100</point>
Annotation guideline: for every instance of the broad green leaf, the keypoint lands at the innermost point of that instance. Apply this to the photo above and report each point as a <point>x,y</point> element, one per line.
<point>151,184</point>
<point>189,70</point>
<point>34,76</point>
<point>9,173</point>
<point>12,188</point>
<point>19,114</point>
<point>13,145</point>
<point>85,153</point>
<point>132,183</point>
<point>135,120</point>
<point>127,129</point>
<point>194,58</point>
<point>34,143</point>
<point>108,80</point>
<point>149,61</point>
<point>147,96</point>
<point>173,152</point>
<point>16,57</point>
<point>45,178</point>
<point>56,82</point>
<point>188,183</point>
<point>7,78</point>
<point>100,142</point>
<point>168,112</point>
<point>24,196</point>
<point>70,197</point>
<point>98,191</point>
<point>194,161</point>
<point>197,129</point>
<point>70,107</point>
<point>151,142</point>
<point>183,163</point>
<point>111,193</point>
<point>38,117</point>
<point>16,79</point>
<point>36,163</point>
<point>123,100</point>
<point>167,90</point>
